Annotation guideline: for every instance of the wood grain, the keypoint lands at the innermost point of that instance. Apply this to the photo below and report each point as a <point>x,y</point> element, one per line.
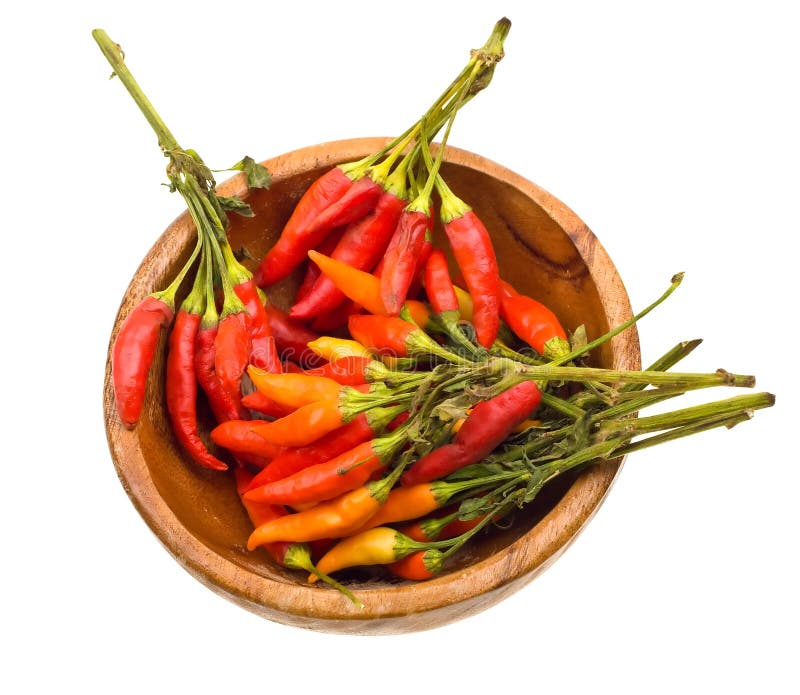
<point>543,248</point>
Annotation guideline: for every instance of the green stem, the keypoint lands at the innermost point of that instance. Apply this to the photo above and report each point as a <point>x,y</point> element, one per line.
<point>168,295</point>
<point>113,53</point>
<point>570,356</point>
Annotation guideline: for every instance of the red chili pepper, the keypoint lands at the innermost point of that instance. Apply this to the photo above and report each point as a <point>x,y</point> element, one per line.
<point>263,353</point>
<point>402,258</point>
<point>289,251</point>
<point>223,406</point>
<point>533,322</point>
<point>474,254</point>
<point>292,338</point>
<point>232,352</point>
<point>324,481</point>
<point>357,201</point>
<point>485,428</point>
<point>133,352</point>
<point>181,389</point>
<point>362,428</point>
<point>427,247</point>
<point>361,247</point>
<point>238,436</point>
<point>438,284</point>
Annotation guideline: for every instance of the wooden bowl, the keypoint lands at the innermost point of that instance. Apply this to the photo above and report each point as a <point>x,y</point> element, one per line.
<point>544,249</point>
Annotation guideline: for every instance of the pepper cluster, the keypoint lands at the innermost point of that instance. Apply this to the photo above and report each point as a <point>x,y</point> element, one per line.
<point>396,410</point>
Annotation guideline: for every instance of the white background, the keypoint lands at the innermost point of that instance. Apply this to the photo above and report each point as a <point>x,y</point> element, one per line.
<point>670,128</point>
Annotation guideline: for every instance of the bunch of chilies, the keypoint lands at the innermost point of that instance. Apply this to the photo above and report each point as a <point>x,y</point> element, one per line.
<point>394,412</point>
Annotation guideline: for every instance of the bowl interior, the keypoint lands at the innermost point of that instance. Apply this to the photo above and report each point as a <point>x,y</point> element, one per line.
<point>543,249</point>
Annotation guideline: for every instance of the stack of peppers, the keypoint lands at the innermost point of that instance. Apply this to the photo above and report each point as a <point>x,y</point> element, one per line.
<point>434,409</point>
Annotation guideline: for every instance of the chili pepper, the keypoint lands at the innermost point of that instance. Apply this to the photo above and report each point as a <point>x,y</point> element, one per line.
<point>238,437</point>
<point>361,247</point>
<point>133,352</point>
<point>465,306</point>
<point>534,323</point>
<point>419,566</point>
<point>290,250</point>
<point>412,502</point>
<point>312,271</point>
<point>291,555</point>
<point>180,381</point>
<point>427,247</point>
<point>336,518</point>
<point>292,391</point>
<point>377,546</point>
<point>310,422</point>
<point>388,335</point>
<point>292,338</point>
<point>328,348</point>
<point>258,402</point>
<point>232,352</point>
<point>324,481</point>
<point>362,428</point>
<point>439,286</point>
<point>489,423</point>
<point>136,342</point>
<point>222,405</point>
<point>358,285</point>
<point>348,371</point>
<point>402,258</point>
<point>263,352</point>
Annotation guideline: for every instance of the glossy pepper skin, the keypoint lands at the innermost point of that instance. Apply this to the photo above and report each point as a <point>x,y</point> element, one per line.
<point>385,335</point>
<point>402,258</point>
<point>338,442</point>
<point>291,248</point>
<point>474,254</point>
<point>489,423</point>
<point>181,390</point>
<point>263,353</point>
<point>223,406</point>
<point>232,353</point>
<point>361,247</point>
<point>438,284</point>
<point>333,519</point>
<point>323,481</point>
<point>532,322</point>
<point>238,436</point>
<point>132,355</point>
<point>292,391</point>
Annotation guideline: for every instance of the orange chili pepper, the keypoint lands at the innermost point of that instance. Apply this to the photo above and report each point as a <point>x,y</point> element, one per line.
<point>333,519</point>
<point>294,390</point>
<point>238,437</point>
<point>360,286</point>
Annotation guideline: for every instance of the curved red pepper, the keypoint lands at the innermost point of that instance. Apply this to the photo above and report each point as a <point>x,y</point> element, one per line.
<point>472,247</point>
<point>132,355</point>
<point>181,390</point>
<point>386,335</point>
<point>485,428</point>
<point>402,258</point>
<point>290,250</point>
<point>223,406</point>
<point>438,284</point>
<point>232,353</point>
<point>531,321</point>
<point>263,353</point>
